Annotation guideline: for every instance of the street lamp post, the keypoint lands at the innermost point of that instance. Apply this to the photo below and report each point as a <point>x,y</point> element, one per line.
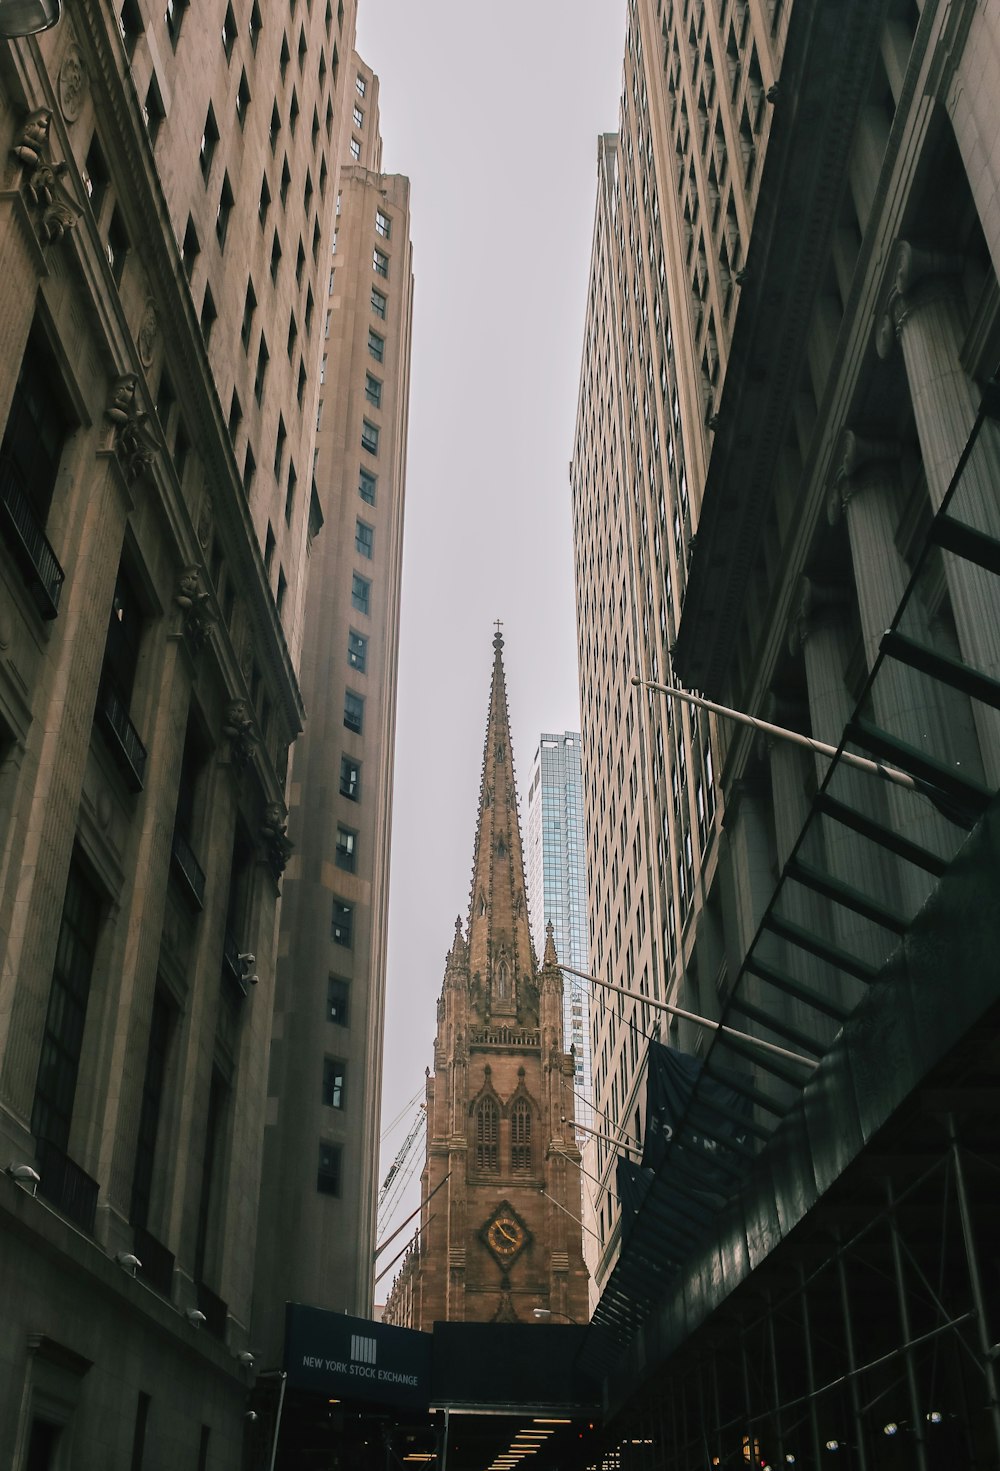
<point>544,1313</point>
<point>27,17</point>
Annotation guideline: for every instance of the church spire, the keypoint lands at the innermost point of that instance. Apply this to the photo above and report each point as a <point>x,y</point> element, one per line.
<point>500,949</point>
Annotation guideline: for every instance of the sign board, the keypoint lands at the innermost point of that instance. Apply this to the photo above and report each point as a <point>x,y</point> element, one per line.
<point>354,1358</point>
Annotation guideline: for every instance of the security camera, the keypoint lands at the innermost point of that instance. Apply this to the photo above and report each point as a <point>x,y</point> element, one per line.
<point>195,1318</point>
<point>129,1261</point>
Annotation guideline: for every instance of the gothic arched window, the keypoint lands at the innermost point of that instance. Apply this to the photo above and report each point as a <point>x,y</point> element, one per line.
<point>520,1137</point>
<point>488,1137</point>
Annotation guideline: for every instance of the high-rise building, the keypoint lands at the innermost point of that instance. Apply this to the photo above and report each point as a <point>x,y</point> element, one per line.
<point>557,887</point>
<point>321,1141</point>
<point>166,223</point>
<point>499,1237</point>
<point>791,318</point>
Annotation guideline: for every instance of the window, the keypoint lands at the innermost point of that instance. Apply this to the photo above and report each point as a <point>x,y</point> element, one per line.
<point>95,176</point>
<point>242,100</point>
<point>62,1040</point>
<point>378,304</point>
<point>350,778</point>
<point>383,224</point>
<point>224,211</point>
<point>150,1109</point>
<point>369,437</point>
<point>373,390</point>
<point>275,256</point>
<point>263,358</point>
<point>367,483</point>
<point>355,150</point>
<point>130,25</point>
<point>364,538</point>
<point>520,1137</point>
<point>249,307</point>
<point>256,26</point>
<point>249,470</point>
<point>117,246</point>
<point>275,127</point>
<point>286,180</point>
<point>293,481</point>
<point>360,593</point>
<point>337,1001</point>
<point>488,1137</point>
<point>265,201</point>
<point>279,597</point>
<point>354,711</point>
<point>153,110</point>
<point>360,86</point>
<point>346,850</point>
<point>229,32</point>
<point>359,117</point>
<point>357,651</point>
<point>334,1071</point>
<point>328,1171</point>
<point>279,448</point>
<point>190,246</point>
<point>173,16</point>
<point>342,927</point>
<point>34,437</point>
<point>380,263</point>
<point>376,345</point>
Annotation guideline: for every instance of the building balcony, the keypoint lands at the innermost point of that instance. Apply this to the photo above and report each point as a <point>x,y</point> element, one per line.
<point>156,1262</point>
<point>121,736</point>
<point>187,869</point>
<point>67,1187</point>
<point>41,571</point>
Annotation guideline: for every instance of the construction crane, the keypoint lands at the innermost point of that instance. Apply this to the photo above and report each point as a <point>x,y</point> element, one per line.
<point>396,1168</point>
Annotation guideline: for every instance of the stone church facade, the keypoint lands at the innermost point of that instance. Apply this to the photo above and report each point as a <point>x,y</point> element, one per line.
<point>500,1191</point>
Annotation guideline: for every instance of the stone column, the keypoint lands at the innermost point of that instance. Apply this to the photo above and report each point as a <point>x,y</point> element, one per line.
<point>926,315</point>
<point>866,493</point>
<point>820,630</point>
<point>971,85</point>
<point>22,266</point>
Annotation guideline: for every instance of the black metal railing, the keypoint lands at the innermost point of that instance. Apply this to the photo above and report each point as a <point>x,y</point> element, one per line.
<point>121,735</point>
<point>67,1187</point>
<point>188,869</point>
<point>156,1262</point>
<point>215,1310</point>
<point>39,566</point>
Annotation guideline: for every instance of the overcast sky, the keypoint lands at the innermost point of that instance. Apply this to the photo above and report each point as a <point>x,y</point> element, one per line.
<point>494,113</point>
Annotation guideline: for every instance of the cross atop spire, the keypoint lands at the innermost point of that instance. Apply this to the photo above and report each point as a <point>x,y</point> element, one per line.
<point>500,949</point>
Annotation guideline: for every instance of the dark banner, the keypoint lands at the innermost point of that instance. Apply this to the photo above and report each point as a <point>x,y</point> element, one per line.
<point>632,1182</point>
<point>711,1121</point>
<point>354,1358</point>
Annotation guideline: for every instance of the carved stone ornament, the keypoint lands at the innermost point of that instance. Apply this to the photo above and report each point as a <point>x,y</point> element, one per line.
<point>72,83</point>
<point>197,613</point>
<point>237,725</point>
<point>149,331</point>
<point>41,180</point>
<point>205,522</point>
<point>273,834</point>
<point>133,439</point>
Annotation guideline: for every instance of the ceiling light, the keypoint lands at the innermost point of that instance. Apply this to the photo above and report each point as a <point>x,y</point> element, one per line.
<point>934,1417</point>
<point>890,1428</point>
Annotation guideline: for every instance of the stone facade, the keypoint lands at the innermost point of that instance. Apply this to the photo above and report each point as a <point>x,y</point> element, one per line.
<point>167,206</point>
<point>331,966</point>
<point>500,1191</point>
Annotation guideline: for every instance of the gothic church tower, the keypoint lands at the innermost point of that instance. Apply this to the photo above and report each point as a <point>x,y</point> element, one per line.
<point>501,1185</point>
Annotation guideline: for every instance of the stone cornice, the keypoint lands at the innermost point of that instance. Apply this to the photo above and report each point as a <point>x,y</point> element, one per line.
<point>804,174</point>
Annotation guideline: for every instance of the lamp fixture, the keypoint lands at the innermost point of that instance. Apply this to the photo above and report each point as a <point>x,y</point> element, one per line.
<point>890,1428</point>
<point>27,17</point>
<point>128,1261</point>
<point>934,1417</point>
<point>246,1359</point>
<point>24,1175</point>
<point>195,1317</point>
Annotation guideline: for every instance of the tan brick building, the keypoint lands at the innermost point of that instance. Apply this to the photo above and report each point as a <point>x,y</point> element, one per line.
<point>167,208</point>
<point>500,1191</point>
<point>324,1089</point>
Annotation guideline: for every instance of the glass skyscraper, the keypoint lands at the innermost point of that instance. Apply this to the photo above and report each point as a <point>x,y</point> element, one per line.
<point>557,886</point>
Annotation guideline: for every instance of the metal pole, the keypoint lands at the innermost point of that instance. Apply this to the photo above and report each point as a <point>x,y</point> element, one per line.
<point>916,1410</point>
<point>777,1386</point>
<point>565,1212</point>
<point>781,733</point>
<point>699,1021</point>
<point>444,1449</point>
<point>975,1282</point>
<point>845,1305</point>
<point>749,1453</point>
<point>810,1369</point>
<point>717,1437</point>
<point>277,1421</point>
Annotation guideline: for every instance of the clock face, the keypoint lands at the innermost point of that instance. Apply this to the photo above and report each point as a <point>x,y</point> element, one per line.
<point>505,1234</point>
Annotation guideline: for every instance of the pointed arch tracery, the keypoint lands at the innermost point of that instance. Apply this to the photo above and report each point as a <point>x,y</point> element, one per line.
<point>520,1137</point>
<point>487,1118</point>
